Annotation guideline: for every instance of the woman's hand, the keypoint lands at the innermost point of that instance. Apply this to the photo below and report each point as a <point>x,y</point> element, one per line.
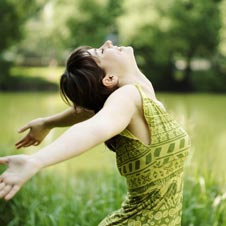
<point>38,130</point>
<point>20,169</point>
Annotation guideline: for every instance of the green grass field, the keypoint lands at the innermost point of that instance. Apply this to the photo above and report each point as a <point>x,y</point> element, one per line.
<point>84,198</point>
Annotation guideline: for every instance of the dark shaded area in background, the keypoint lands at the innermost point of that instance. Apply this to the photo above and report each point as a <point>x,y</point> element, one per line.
<point>24,83</point>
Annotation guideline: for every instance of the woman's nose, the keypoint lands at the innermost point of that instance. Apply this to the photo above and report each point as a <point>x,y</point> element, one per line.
<point>107,44</point>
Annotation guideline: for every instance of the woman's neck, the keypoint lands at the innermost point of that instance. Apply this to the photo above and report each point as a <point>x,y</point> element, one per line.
<point>142,80</point>
<point>135,77</point>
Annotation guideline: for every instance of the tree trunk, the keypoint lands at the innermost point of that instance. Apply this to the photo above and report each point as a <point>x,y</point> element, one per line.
<point>186,84</point>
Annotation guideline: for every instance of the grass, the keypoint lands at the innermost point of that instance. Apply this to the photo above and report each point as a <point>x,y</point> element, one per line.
<point>53,198</point>
<point>56,200</point>
<point>51,74</point>
<point>204,202</point>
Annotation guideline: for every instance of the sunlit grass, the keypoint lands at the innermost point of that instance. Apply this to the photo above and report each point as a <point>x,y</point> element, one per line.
<point>204,201</point>
<point>49,199</point>
<point>85,198</point>
<point>51,73</point>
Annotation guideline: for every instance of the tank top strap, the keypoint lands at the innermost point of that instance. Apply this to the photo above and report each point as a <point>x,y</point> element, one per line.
<point>144,96</point>
<point>141,91</point>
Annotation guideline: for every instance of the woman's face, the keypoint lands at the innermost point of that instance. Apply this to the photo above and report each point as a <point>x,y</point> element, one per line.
<point>113,59</point>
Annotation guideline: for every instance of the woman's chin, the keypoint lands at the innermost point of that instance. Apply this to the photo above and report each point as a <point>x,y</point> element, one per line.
<point>127,49</point>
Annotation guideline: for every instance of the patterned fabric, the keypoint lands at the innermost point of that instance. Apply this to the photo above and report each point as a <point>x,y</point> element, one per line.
<point>154,173</point>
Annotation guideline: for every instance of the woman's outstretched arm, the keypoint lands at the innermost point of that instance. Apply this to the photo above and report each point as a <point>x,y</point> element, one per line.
<point>114,117</point>
<point>40,127</point>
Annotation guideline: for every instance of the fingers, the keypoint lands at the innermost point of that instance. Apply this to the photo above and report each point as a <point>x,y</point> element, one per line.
<point>24,128</point>
<point>26,142</point>
<point>25,139</point>
<point>29,143</point>
<point>2,185</point>
<point>4,160</point>
<point>22,142</point>
<point>12,192</point>
<point>36,143</point>
<point>8,191</point>
<point>5,190</point>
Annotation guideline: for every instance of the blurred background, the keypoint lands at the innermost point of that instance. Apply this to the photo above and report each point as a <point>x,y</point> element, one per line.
<point>180,45</point>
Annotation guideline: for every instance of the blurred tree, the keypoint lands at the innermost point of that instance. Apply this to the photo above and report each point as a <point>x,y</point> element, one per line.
<point>13,15</point>
<point>9,32</point>
<point>94,22</point>
<point>162,32</point>
<point>65,24</point>
<point>182,30</point>
<point>195,27</point>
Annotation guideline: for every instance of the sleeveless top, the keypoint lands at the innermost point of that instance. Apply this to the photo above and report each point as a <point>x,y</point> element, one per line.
<point>154,173</point>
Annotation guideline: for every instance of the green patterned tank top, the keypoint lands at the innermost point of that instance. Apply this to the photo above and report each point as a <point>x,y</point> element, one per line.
<point>154,173</point>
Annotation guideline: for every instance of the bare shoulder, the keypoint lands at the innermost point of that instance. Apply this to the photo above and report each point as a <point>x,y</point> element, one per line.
<point>128,93</point>
<point>125,101</point>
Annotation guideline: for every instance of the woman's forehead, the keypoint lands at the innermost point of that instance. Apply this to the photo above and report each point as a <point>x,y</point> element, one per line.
<point>93,52</point>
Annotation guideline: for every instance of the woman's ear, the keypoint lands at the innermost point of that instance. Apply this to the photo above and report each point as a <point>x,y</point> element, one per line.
<point>110,81</point>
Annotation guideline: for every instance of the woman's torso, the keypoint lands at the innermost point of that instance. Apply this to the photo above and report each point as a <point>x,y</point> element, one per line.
<point>150,154</point>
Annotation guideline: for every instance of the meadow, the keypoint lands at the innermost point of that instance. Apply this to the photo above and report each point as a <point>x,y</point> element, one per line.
<point>82,191</point>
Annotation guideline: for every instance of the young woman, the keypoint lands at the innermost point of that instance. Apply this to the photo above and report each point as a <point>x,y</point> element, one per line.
<point>116,104</point>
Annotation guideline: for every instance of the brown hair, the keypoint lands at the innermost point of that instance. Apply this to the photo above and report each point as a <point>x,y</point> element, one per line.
<point>81,83</point>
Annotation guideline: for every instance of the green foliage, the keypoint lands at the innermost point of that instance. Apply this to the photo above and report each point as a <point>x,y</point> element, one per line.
<point>10,32</point>
<point>196,34</point>
<point>209,81</point>
<point>154,56</point>
<point>4,72</point>
<point>183,31</point>
<point>162,32</point>
<point>64,25</point>
<point>13,16</point>
<point>93,22</point>
<point>9,29</point>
